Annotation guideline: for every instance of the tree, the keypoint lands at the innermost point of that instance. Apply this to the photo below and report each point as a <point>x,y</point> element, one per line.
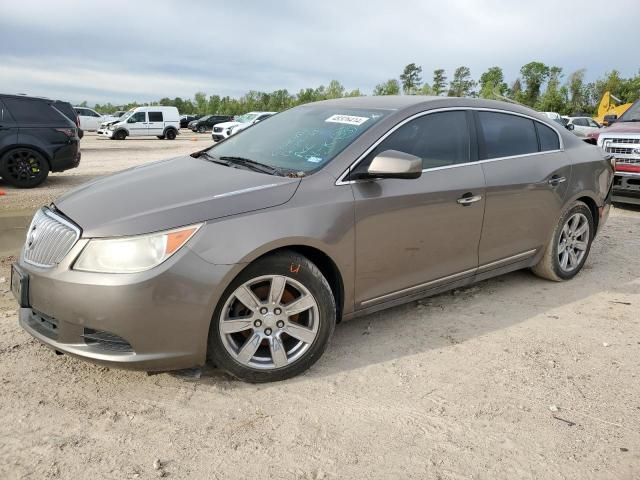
<point>439,82</point>
<point>578,96</point>
<point>411,78</point>
<point>354,93</point>
<point>335,89</point>
<point>492,83</point>
<point>390,87</point>
<point>554,98</point>
<point>515,92</point>
<point>462,84</point>
<point>534,75</point>
<point>425,89</point>
<point>201,102</point>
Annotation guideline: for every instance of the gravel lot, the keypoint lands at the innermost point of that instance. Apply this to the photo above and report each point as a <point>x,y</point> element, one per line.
<point>513,378</point>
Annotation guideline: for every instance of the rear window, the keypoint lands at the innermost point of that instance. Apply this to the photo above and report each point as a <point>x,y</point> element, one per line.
<point>155,116</point>
<point>67,110</point>
<point>28,110</point>
<point>507,135</point>
<point>548,138</point>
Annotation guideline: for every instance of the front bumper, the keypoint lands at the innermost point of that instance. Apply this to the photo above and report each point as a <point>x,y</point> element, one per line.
<point>626,188</point>
<point>155,321</point>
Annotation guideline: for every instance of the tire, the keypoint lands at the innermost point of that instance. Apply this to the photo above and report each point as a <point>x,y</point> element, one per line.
<point>170,134</point>
<point>80,133</point>
<point>202,129</point>
<point>564,241</point>
<point>120,135</point>
<point>24,168</point>
<point>233,332</point>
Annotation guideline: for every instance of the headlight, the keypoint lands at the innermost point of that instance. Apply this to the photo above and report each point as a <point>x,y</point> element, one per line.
<point>132,254</point>
<point>112,127</point>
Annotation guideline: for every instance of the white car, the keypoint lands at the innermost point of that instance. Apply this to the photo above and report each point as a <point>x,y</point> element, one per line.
<point>583,126</point>
<point>226,129</point>
<point>161,122</point>
<point>89,118</point>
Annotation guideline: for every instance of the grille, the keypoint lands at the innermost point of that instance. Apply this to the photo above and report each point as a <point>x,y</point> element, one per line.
<point>623,150</point>
<point>632,161</point>
<point>106,341</point>
<point>49,239</point>
<point>624,140</point>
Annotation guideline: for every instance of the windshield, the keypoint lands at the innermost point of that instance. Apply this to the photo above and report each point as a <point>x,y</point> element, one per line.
<point>633,114</point>
<point>247,117</point>
<point>302,139</point>
<point>206,117</point>
<point>127,114</point>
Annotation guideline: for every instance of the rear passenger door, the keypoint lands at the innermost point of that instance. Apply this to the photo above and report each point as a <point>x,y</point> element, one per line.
<point>156,123</point>
<point>527,176</point>
<point>8,128</point>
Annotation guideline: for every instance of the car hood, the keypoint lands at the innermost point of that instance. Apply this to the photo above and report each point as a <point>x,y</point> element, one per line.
<point>110,122</point>
<point>622,127</point>
<point>168,194</point>
<point>227,124</point>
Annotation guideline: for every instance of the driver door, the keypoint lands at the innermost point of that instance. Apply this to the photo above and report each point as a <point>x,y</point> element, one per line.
<point>414,235</point>
<point>137,124</point>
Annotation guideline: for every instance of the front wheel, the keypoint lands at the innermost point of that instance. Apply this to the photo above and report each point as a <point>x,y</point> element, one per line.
<point>24,168</point>
<point>569,246</point>
<point>274,321</point>
<point>120,135</point>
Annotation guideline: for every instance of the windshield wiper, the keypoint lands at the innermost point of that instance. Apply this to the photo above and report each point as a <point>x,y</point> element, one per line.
<point>255,166</point>
<point>211,158</point>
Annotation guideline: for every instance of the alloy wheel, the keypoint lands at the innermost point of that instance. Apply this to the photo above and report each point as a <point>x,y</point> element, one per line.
<point>573,242</point>
<point>23,165</point>
<point>269,322</point>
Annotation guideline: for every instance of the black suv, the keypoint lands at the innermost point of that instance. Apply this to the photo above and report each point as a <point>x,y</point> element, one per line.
<point>35,138</point>
<point>206,123</point>
<point>185,120</point>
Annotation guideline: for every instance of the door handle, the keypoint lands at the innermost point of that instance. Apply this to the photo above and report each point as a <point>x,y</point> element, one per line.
<point>468,199</point>
<point>557,180</point>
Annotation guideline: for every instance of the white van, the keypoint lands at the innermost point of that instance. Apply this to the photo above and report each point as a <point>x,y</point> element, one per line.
<point>162,122</point>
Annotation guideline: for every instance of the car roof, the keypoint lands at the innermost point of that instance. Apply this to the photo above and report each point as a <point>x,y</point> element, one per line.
<point>418,102</point>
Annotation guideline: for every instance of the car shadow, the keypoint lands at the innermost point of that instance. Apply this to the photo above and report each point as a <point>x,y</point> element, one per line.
<point>449,319</point>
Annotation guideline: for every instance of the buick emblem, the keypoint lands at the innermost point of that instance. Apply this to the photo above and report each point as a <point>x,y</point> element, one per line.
<point>636,151</point>
<point>32,236</point>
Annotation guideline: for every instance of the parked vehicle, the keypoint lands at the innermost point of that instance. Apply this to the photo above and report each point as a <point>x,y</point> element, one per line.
<point>250,251</point>
<point>621,140</point>
<point>224,130</point>
<point>35,138</point>
<point>207,122</point>
<point>90,120</point>
<point>582,126</point>
<point>609,109</point>
<point>242,126</point>
<point>186,119</point>
<point>162,122</point>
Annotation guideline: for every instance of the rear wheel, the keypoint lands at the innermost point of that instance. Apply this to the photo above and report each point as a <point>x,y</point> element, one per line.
<point>569,245</point>
<point>24,168</point>
<point>170,134</point>
<point>274,320</point>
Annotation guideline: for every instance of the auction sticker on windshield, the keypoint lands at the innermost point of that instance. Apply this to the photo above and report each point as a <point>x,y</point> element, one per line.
<point>346,119</point>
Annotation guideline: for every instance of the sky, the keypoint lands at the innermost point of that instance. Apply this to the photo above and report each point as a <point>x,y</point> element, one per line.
<point>123,51</point>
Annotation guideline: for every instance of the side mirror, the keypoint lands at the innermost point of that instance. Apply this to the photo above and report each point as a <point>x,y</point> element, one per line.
<point>609,119</point>
<point>395,164</point>
<point>131,120</point>
<point>570,126</point>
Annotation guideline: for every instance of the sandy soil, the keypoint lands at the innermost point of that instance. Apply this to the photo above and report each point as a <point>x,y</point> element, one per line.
<point>513,378</point>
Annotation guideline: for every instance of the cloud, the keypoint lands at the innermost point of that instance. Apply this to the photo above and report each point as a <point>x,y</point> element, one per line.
<point>145,50</point>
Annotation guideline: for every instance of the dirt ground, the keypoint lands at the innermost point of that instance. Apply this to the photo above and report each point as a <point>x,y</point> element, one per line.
<point>513,378</point>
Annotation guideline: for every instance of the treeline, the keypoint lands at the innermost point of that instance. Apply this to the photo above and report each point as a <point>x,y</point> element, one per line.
<point>540,86</point>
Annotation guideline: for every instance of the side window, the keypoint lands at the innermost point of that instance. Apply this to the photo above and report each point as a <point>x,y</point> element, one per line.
<point>81,112</point>
<point>139,116</point>
<point>33,111</point>
<point>506,135</point>
<point>592,123</point>
<point>548,138</point>
<point>155,117</point>
<point>440,139</point>
<point>581,122</point>
<point>93,114</point>
<point>5,116</point>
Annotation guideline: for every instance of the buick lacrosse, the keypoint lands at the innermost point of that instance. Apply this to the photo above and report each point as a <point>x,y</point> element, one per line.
<point>248,253</point>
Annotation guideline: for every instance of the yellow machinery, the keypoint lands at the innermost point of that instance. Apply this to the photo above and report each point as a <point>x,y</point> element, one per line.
<point>610,105</point>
